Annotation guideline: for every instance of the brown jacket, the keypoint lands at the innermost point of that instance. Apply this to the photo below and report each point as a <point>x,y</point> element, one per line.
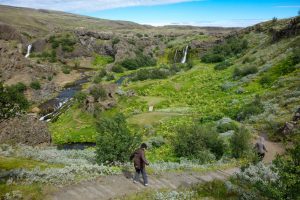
<point>139,159</point>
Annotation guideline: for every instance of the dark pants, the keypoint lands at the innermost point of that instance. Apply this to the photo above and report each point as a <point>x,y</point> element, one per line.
<point>137,175</point>
<point>261,156</point>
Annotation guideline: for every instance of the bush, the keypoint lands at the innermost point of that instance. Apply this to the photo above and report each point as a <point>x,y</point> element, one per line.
<point>35,85</point>
<point>98,91</point>
<point>80,97</point>
<point>66,42</point>
<point>223,65</point>
<point>66,70</point>
<point>117,69</point>
<point>240,72</point>
<point>19,87</point>
<point>191,141</point>
<point>115,40</point>
<point>240,143</point>
<point>222,128</point>
<point>230,47</point>
<point>250,109</point>
<point>12,101</point>
<point>115,142</point>
<point>266,80</point>
<point>212,58</point>
<point>139,61</point>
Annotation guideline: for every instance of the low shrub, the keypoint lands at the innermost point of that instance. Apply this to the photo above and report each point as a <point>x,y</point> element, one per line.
<point>12,100</point>
<point>35,85</point>
<point>266,80</point>
<point>193,141</point>
<point>240,72</point>
<point>117,69</point>
<point>98,91</point>
<point>101,60</point>
<point>253,108</point>
<point>240,143</point>
<point>66,69</point>
<point>140,60</point>
<point>223,65</point>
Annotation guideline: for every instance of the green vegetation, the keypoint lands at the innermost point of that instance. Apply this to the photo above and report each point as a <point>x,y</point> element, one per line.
<point>35,85</point>
<point>66,42</point>
<point>240,72</point>
<point>46,56</point>
<point>66,69</point>
<point>12,100</point>
<point>199,143</point>
<point>232,46</point>
<point>100,61</point>
<point>115,142</point>
<point>140,60</point>
<point>223,65</point>
<point>74,125</point>
<point>240,143</point>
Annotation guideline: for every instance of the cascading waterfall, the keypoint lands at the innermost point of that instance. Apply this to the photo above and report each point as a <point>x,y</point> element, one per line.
<point>184,54</point>
<point>28,51</point>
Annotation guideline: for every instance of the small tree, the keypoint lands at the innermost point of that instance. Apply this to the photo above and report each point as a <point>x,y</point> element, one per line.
<point>240,143</point>
<point>12,100</point>
<point>115,141</point>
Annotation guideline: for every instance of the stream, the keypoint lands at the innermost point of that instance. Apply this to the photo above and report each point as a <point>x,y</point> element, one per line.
<point>51,108</point>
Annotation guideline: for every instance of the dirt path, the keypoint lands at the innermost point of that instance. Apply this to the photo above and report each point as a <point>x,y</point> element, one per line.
<point>109,187</point>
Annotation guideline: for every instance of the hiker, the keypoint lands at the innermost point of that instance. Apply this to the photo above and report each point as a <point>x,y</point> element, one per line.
<point>140,161</point>
<point>260,148</point>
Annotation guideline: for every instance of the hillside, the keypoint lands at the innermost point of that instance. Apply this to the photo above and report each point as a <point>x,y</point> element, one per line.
<point>199,97</point>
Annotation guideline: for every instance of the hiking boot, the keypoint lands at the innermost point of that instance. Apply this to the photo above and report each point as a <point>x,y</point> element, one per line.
<point>146,184</point>
<point>134,181</point>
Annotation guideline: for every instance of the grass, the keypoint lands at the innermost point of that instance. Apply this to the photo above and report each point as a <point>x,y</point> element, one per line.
<point>8,163</point>
<point>73,126</point>
<point>150,118</point>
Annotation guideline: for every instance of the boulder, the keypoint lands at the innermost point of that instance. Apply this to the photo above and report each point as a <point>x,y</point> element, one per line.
<point>25,130</point>
<point>39,45</point>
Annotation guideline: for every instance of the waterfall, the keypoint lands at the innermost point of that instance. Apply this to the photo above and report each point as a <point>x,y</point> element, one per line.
<point>184,54</point>
<point>28,51</point>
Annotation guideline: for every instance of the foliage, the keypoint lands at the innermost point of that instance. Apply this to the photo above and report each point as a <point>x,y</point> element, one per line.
<point>117,69</point>
<point>66,69</point>
<point>80,97</point>
<point>66,42</point>
<point>223,65</point>
<point>115,40</point>
<point>140,60</point>
<point>253,108</point>
<point>240,72</point>
<point>240,143</point>
<point>230,47</point>
<point>193,141</point>
<point>12,100</point>
<point>74,125</point>
<point>46,56</point>
<point>115,142</point>
<point>98,91</point>
<point>35,85</point>
<point>101,60</point>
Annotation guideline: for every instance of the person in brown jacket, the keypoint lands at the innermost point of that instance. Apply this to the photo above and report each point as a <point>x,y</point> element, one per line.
<point>140,163</point>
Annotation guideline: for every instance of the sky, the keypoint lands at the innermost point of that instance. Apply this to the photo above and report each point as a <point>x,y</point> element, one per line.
<point>228,13</point>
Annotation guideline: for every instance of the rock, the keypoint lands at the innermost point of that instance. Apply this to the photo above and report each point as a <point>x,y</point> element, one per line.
<point>25,130</point>
<point>39,45</point>
<point>287,128</point>
<point>296,117</point>
<point>10,33</point>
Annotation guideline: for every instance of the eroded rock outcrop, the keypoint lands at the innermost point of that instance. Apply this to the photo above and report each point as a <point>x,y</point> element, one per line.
<point>25,130</point>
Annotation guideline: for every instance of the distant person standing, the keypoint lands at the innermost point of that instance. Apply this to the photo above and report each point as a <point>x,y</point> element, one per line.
<point>140,162</point>
<point>260,148</point>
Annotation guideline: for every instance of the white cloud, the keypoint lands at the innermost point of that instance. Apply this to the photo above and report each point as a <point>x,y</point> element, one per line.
<point>86,5</point>
<point>221,23</point>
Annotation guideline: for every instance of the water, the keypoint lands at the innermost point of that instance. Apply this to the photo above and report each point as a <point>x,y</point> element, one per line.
<point>122,79</point>
<point>76,146</point>
<point>184,54</point>
<point>52,107</point>
<point>28,51</point>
